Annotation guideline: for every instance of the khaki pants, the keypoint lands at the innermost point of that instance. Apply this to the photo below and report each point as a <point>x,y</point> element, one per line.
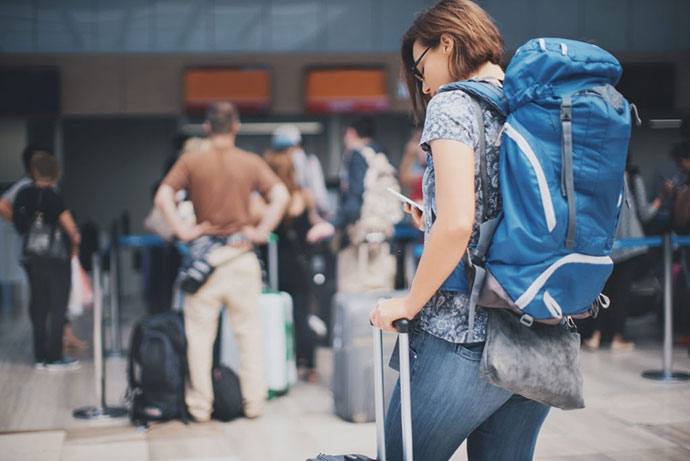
<point>235,283</point>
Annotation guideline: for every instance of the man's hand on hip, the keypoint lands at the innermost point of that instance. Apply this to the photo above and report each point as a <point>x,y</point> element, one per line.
<point>188,233</point>
<point>256,235</point>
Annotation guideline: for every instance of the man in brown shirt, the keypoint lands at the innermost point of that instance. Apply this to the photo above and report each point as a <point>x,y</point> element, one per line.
<point>220,178</point>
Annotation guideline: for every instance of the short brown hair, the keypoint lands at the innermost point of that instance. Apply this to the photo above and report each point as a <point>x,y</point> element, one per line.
<point>221,116</point>
<point>44,166</point>
<point>477,40</point>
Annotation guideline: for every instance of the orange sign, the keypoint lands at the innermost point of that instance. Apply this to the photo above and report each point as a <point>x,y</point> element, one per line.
<point>248,89</point>
<point>346,90</point>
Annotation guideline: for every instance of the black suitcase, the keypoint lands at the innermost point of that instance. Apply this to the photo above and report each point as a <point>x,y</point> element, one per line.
<point>406,411</point>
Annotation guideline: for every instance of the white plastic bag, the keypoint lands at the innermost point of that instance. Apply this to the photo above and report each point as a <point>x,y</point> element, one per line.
<point>75,306</point>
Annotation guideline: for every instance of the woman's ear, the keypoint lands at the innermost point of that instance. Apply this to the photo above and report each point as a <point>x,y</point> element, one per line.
<point>447,43</point>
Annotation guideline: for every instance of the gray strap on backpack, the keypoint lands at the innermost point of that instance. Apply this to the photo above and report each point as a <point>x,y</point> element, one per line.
<point>477,285</point>
<point>479,272</point>
<point>567,178</point>
<point>484,175</point>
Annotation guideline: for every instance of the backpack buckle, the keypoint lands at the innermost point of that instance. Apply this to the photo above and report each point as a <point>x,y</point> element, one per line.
<point>566,111</point>
<point>527,320</point>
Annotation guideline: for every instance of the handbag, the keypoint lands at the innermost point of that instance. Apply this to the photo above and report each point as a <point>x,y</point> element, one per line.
<point>44,239</point>
<point>540,362</point>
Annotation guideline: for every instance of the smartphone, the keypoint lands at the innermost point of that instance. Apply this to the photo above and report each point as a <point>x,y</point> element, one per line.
<point>404,199</point>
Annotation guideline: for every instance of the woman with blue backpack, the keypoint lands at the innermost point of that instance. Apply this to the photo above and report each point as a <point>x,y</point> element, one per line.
<point>454,40</point>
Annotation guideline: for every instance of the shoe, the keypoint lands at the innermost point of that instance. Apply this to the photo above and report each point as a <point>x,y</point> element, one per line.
<point>66,363</point>
<point>253,410</point>
<point>309,375</point>
<point>39,365</point>
<point>312,377</point>
<point>593,343</point>
<point>619,345</point>
<point>71,341</point>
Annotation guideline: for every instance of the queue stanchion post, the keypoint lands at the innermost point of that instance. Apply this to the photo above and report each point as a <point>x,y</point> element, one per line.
<point>101,410</point>
<point>114,325</point>
<point>667,373</point>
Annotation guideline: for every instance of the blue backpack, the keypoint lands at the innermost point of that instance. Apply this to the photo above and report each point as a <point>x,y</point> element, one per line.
<point>562,159</point>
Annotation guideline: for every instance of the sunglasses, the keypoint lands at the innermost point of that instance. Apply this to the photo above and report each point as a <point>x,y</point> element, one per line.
<point>415,70</point>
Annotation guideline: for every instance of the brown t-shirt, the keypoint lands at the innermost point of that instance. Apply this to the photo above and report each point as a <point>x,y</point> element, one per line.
<point>219,184</point>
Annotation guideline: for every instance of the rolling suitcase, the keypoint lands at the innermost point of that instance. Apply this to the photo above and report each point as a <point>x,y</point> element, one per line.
<point>277,329</point>
<point>353,365</point>
<point>406,403</point>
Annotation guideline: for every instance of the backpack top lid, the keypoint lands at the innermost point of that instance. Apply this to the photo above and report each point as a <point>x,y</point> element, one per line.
<point>545,68</point>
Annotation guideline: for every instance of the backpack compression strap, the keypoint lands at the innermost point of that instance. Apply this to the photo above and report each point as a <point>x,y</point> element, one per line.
<point>567,179</point>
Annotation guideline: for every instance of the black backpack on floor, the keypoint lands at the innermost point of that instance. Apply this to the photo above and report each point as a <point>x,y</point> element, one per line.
<point>157,368</point>
<point>227,396</point>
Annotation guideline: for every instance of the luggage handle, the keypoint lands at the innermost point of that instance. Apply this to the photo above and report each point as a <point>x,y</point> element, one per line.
<point>402,326</point>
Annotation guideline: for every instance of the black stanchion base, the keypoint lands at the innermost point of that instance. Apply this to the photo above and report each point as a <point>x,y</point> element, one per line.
<point>660,375</point>
<point>99,413</point>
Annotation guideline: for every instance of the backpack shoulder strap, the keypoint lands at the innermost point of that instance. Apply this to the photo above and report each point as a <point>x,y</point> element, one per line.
<point>367,152</point>
<point>483,169</point>
<point>484,91</point>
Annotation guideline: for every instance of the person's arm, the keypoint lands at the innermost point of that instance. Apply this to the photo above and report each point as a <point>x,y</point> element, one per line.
<point>10,196</point>
<point>312,209</point>
<point>681,208</point>
<point>70,227</point>
<point>647,210</point>
<point>450,233</point>
<point>6,210</point>
<point>321,229</point>
<point>257,208</point>
<point>165,202</point>
<point>278,198</point>
<point>407,177</point>
<point>351,207</point>
<point>449,236</point>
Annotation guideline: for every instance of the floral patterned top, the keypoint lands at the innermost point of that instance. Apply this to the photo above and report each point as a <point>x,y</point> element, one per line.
<point>450,115</point>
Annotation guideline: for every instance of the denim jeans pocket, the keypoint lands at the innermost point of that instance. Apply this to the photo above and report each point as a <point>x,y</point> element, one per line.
<point>416,340</point>
<point>470,351</point>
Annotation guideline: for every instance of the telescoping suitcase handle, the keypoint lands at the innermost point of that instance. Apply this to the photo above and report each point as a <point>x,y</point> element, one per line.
<point>402,326</point>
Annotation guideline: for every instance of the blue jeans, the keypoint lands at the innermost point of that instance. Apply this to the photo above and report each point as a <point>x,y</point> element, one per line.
<point>451,403</point>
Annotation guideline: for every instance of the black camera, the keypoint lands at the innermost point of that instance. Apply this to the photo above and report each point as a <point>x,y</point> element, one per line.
<point>194,276</point>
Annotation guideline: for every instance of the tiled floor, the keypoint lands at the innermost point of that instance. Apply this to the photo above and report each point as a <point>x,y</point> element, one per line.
<point>627,418</point>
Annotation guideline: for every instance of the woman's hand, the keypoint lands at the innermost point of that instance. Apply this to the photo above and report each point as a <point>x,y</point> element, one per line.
<point>388,311</point>
<point>320,231</point>
<point>668,189</point>
<point>416,214</point>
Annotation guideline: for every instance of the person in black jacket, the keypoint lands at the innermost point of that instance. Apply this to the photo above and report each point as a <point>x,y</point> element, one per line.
<point>38,205</point>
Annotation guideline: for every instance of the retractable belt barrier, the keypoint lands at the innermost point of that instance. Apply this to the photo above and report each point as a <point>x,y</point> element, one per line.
<point>101,410</point>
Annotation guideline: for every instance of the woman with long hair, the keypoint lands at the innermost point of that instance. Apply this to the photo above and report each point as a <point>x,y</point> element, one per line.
<point>293,258</point>
<point>453,40</point>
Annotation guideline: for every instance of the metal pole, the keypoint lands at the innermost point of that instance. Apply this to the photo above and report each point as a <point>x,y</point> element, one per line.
<point>273,262</point>
<point>405,400</point>
<point>667,374</point>
<point>98,365</point>
<point>101,411</point>
<point>115,340</point>
<point>378,395</point>
<point>668,306</point>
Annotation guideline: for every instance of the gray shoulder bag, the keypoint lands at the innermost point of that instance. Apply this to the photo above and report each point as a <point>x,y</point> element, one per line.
<point>540,362</point>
